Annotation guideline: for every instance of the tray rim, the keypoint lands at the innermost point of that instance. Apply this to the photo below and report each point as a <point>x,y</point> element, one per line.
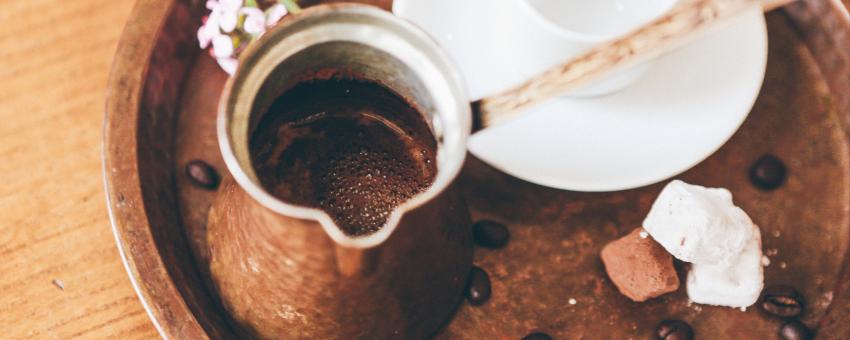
<point>125,85</point>
<point>122,186</point>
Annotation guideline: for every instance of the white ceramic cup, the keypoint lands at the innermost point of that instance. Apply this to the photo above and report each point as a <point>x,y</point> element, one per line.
<point>501,43</point>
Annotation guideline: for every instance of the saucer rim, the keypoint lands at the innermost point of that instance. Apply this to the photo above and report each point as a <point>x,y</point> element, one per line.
<point>583,186</point>
<point>756,19</point>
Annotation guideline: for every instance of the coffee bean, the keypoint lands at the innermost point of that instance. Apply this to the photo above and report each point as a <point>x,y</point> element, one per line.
<point>782,301</point>
<point>478,286</point>
<point>768,172</point>
<point>537,336</point>
<point>794,330</point>
<point>490,234</point>
<point>202,174</point>
<point>674,330</point>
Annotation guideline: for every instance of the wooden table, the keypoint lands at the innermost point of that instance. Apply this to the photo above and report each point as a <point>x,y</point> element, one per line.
<point>61,275</point>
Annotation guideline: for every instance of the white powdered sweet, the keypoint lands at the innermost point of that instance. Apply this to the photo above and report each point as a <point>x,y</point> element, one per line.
<point>735,285</point>
<point>698,224</point>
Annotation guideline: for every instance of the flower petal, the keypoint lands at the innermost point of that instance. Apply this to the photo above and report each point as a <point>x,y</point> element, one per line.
<point>214,17</point>
<point>204,38</point>
<point>228,65</point>
<point>228,20</point>
<point>231,5</point>
<point>255,20</point>
<point>208,30</point>
<point>222,46</point>
<point>274,14</point>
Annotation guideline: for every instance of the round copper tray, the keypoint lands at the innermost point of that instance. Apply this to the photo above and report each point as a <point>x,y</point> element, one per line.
<point>160,114</point>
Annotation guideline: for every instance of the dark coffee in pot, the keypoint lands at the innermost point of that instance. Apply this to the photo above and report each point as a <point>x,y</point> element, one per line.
<point>349,147</point>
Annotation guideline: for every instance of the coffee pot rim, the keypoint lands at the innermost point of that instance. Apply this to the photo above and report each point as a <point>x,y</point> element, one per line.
<point>255,64</point>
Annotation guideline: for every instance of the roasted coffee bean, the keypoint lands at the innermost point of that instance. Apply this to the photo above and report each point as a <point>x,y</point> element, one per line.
<point>768,172</point>
<point>795,330</point>
<point>490,234</point>
<point>202,174</point>
<point>478,286</point>
<point>782,301</point>
<point>674,330</point>
<point>537,336</point>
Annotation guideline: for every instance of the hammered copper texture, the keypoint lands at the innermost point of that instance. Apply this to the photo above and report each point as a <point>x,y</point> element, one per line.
<point>409,290</point>
<point>556,235</point>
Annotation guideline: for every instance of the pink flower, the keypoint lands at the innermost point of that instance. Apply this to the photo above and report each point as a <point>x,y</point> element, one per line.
<point>208,31</point>
<point>204,37</point>
<point>230,5</point>
<point>222,46</point>
<point>228,64</point>
<point>255,20</point>
<point>231,24</point>
<point>225,13</point>
<point>227,20</point>
<point>274,14</point>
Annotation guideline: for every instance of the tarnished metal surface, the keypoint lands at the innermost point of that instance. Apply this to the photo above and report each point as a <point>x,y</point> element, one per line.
<point>556,235</point>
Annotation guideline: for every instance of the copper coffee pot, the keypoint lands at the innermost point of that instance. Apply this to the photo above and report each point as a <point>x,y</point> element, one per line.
<point>286,271</point>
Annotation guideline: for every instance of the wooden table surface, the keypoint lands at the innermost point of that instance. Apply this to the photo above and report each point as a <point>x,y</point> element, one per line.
<point>61,276</point>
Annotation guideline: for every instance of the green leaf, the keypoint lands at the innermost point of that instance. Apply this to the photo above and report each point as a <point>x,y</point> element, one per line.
<point>291,6</point>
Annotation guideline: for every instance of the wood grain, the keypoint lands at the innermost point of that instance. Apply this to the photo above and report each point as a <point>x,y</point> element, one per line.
<point>62,276</point>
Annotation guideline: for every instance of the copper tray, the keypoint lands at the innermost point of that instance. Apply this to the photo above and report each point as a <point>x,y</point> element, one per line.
<point>160,111</point>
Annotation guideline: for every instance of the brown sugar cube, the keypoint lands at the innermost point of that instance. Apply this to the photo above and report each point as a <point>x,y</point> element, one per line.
<point>639,267</point>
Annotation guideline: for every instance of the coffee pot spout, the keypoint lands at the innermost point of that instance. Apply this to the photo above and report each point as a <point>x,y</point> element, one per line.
<point>280,276</point>
<point>352,262</point>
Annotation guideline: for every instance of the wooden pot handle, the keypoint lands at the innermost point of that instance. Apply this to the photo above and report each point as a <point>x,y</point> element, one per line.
<point>675,29</point>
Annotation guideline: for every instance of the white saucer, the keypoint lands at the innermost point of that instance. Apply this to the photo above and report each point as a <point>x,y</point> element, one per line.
<point>684,108</point>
